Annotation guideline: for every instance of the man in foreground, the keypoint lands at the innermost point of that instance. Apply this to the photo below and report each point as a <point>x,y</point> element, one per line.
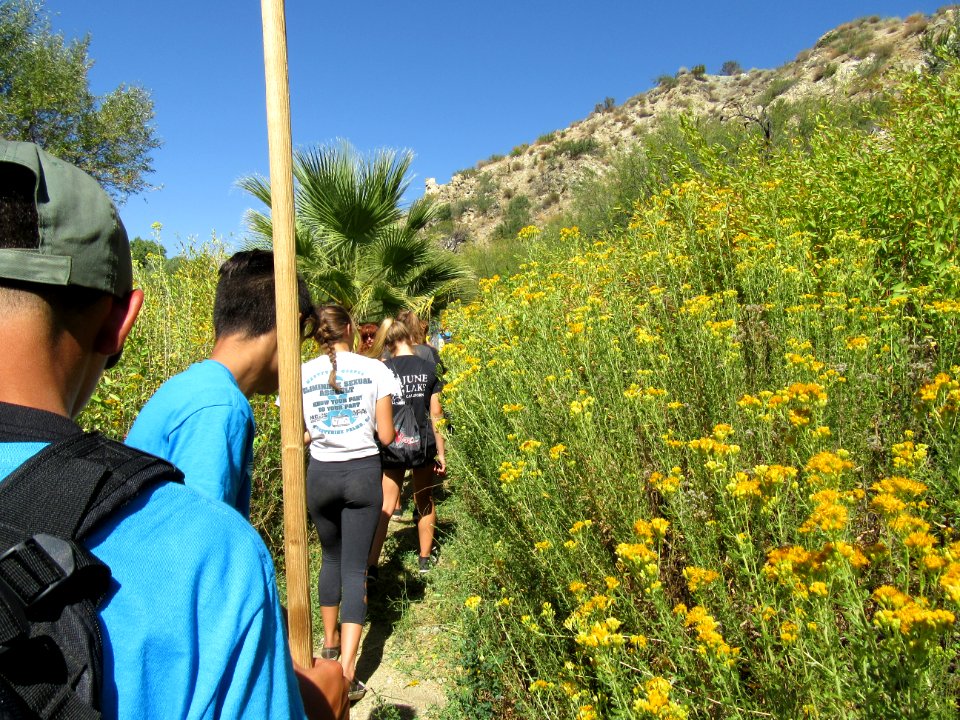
<point>201,420</point>
<point>191,623</point>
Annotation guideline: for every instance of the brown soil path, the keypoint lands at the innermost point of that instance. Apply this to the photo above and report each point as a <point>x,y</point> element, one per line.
<point>398,660</point>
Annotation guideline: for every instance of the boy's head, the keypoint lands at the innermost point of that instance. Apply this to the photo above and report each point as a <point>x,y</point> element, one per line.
<point>58,228</point>
<point>66,280</point>
<point>245,303</point>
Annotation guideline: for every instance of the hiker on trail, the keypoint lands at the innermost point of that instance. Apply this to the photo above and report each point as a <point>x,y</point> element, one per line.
<point>189,619</point>
<point>346,402</point>
<point>418,335</point>
<point>420,388</point>
<point>368,335</point>
<point>201,420</point>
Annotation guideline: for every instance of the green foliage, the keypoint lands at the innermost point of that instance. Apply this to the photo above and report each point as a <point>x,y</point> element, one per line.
<point>576,148</point>
<point>606,106</point>
<point>485,193</point>
<point>467,172</point>
<point>519,150</point>
<point>941,47</point>
<point>501,257</point>
<point>731,67</point>
<point>45,98</point>
<point>516,216</point>
<point>676,446</point>
<point>147,252</point>
<point>444,212</point>
<point>667,82</point>
<point>604,201</point>
<point>776,88</point>
<point>356,245</point>
<point>546,138</point>
<point>825,72</point>
<point>698,71</point>
<point>855,40</point>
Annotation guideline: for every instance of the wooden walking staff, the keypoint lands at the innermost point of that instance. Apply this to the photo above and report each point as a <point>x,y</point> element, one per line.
<point>288,331</point>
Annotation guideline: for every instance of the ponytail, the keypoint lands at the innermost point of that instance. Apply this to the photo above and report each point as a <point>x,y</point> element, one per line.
<point>332,324</point>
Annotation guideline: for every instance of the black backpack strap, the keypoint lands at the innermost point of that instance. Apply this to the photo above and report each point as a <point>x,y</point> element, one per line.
<point>50,585</point>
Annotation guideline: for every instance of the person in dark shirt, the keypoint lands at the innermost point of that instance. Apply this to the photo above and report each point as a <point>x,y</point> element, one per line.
<point>421,388</point>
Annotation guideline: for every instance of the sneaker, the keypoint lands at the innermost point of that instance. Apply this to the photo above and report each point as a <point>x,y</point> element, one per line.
<point>425,564</point>
<point>330,653</point>
<point>357,691</point>
<point>397,514</point>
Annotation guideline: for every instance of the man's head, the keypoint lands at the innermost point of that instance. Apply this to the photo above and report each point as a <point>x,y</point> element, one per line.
<point>245,320</point>
<point>66,280</point>
<point>245,304</point>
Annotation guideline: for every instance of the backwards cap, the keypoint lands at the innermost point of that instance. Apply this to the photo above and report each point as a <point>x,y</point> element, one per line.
<point>82,241</point>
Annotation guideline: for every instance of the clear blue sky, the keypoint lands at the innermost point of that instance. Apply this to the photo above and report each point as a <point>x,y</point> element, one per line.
<point>452,81</point>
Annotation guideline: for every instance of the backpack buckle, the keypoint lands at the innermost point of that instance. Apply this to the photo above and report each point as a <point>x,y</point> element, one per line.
<point>36,568</point>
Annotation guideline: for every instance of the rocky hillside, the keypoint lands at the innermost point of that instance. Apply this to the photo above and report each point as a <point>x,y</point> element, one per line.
<point>852,62</point>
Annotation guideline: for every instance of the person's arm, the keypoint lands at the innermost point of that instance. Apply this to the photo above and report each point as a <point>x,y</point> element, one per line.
<point>385,429</point>
<point>436,415</point>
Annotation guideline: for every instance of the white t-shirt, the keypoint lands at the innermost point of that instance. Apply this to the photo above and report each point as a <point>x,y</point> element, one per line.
<point>342,425</point>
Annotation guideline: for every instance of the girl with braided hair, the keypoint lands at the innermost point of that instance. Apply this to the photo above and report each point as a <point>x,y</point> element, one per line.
<point>347,399</point>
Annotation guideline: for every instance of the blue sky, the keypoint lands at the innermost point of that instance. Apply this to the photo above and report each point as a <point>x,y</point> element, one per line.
<point>452,81</point>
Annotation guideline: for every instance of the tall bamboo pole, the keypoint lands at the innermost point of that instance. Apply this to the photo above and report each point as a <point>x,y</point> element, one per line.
<point>288,330</point>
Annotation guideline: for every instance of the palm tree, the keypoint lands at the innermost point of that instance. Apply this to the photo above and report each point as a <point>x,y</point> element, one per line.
<point>355,244</point>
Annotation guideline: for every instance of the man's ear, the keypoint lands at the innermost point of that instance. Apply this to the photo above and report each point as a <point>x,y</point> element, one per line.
<point>118,323</point>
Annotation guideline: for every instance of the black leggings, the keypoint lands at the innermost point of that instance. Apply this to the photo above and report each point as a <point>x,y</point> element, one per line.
<point>344,499</point>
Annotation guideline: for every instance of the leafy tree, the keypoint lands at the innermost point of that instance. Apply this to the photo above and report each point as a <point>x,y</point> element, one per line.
<point>45,98</point>
<point>355,244</point>
<point>141,250</point>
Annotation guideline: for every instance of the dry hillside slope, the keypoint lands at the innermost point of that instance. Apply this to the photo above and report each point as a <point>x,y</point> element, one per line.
<point>852,62</point>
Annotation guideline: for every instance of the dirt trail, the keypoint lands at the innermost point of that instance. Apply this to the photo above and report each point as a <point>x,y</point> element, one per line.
<point>398,662</point>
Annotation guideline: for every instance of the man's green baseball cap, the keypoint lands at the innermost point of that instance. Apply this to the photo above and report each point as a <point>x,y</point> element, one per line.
<point>82,241</point>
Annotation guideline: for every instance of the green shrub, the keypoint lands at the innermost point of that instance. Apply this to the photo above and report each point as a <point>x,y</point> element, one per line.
<point>516,216</point>
<point>667,82</point>
<point>774,90</point>
<point>485,193</point>
<point>444,212</point>
<point>576,148</point>
<point>606,106</point>
<point>825,72</point>
<point>730,67</point>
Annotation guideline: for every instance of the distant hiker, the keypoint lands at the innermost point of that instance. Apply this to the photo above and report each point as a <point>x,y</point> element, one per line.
<point>418,333</point>
<point>190,624</point>
<point>201,419</point>
<point>420,388</point>
<point>368,335</point>
<point>346,402</point>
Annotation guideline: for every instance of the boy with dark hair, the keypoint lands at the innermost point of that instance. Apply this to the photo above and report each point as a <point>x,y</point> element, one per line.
<point>189,621</point>
<point>201,420</point>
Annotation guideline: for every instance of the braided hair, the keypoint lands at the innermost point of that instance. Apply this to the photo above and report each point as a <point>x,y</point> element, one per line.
<point>332,328</point>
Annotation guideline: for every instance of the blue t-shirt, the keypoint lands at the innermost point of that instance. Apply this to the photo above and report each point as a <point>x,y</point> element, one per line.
<point>201,422</point>
<point>192,625</point>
